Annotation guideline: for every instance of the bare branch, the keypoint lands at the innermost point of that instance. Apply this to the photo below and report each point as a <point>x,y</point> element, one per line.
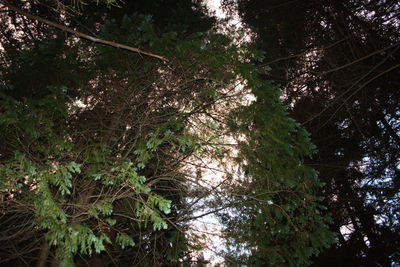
<point>82,35</point>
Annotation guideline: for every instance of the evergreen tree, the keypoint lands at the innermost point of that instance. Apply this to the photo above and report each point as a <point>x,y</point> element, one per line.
<point>337,64</point>
<point>96,142</point>
<point>276,215</point>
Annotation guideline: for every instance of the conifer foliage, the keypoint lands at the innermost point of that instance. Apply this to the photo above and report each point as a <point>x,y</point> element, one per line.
<point>337,64</point>
<point>96,142</point>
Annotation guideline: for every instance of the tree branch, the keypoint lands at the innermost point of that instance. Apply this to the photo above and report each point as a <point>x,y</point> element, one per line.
<point>82,35</point>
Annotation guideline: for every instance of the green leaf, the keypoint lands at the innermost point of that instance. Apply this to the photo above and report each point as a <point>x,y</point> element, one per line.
<point>124,240</point>
<point>111,221</point>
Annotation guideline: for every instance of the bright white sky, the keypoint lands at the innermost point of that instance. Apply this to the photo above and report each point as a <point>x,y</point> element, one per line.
<point>209,224</point>
<point>215,5</point>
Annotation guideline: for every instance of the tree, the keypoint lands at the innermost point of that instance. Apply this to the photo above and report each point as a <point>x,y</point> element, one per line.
<point>96,142</point>
<point>337,66</point>
<point>274,217</point>
<point>88,136</point>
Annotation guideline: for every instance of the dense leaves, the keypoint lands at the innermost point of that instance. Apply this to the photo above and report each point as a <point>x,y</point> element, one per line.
<point>337,63</point>
<point>276,216</point>
<point>98,144</point>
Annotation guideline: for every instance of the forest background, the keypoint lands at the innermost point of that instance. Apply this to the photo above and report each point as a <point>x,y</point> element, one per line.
<point>123,123</point>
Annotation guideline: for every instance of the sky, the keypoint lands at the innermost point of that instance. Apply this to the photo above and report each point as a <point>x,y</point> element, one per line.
<point>209,225</point>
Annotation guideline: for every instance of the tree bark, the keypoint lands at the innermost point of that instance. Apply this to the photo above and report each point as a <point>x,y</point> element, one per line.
<point>43,254</point>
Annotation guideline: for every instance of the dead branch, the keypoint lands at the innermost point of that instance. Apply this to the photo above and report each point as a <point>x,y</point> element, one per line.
<point>82,35</point>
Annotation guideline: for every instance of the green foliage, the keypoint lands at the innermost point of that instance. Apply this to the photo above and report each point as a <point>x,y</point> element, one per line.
<point>104,208</point>
<point>124,240</point>
<point>351,112</point>
<point>146,211</point>
<point>278,218</point>
<point>160,203</point>
<point>102,150</point>
<point>61,176</point>
<point>80,239</point>
<point>71,238</point>
<point>15,171</point>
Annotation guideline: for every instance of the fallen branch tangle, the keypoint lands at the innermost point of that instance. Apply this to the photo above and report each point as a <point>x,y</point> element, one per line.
<point>83,35</point>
